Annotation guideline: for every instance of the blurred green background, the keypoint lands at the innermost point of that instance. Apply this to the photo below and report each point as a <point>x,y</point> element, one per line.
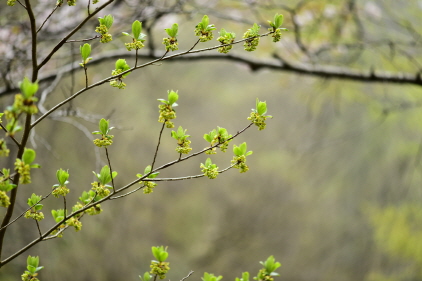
<point>333,190</point>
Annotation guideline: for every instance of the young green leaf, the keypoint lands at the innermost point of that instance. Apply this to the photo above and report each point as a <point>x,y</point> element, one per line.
<point>62,177</point>
<point>261,107</point>
<point>278,20</point>
<point>85,51</point>
<point>107,21</point>
<point>172,32</point>
<point>172,97</point>
<point>103,126</point>
<point>160,253</point>
<point>146,277</point>
<point>28,88</point>
<point>58,215</point>
<point>28,156</point>
<point>136,29</point>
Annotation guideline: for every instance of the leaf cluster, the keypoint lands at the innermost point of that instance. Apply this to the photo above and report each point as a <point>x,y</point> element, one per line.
<point>33,202</point>
<point>160,253</point>
<point>104,176</point>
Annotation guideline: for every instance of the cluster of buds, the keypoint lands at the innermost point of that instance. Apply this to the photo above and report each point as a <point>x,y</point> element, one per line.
<point>24,170</point>
<point>27,276</point>
<point>204,30</point>
<point>171,44</point>
<point>60,190</point>
<point>117,83</point>
<point>209,169</point>
<point>167,113</point>
<point>71,2</point>
<point>258,120</point>
<point>226,38</point>
<point>184,147</point>
<point>135,45</point>
<point>159,268</point>
<point>95,210</point>
<point>32,214</point>
<point>4,151</point>
<point>26,105</point>
<point>276,34</point>
<point>264,276</point>
<point>103,31</point>
<point>75,223</point>
<point>149,186</point>
<point>4,199</point>
<point>5,186</point>
<point>240,163</point>
<point>253,41</point>
<point>105,141</point>
<point>11,2</point>
<point>100,189</point>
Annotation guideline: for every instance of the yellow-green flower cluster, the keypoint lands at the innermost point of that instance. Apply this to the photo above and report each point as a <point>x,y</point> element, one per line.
<point>105,36</point>
<point>27,276</point>
<point>11,2</point>
<point>71,2</point>
<point>136,45</point>
<point>101,190</point>
<point>57,230</point>
<point>211,173</point>
<point>95,1</point>
<point>25,105</point>
<point>211,151</point>
<point>226,38</point>
<point>166,114</point>
<point>24,171</point>
<point>4,199</point>
<point>263,276</point>
<point>258,120</point>
<point>252,36</point>
<point>159,268</point>
<point>225,49</point>
<point>31,214</point>
<point>60,190</point>
<point>204,36</point>
<point>118,83</point>
<point>184,147</point>
<point>75,223</point>
<point>95,210</point>
<point>276,35</point>
<point>251,44</point>
<point>171,44</point>
<point>149,186</point>
<point>105,141</point>
<point>4,151</point>
<point>240,163</point>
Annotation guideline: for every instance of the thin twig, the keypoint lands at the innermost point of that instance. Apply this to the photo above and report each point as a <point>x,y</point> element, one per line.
<point>12,137</point>
<point>158,145</point>
<point>111,171</point>
<point>38,226</point>
<point>55,8</point>
<point>22,214</point>
<point>187,276</point>
<point>83,40</point>
<point>194,45</point>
